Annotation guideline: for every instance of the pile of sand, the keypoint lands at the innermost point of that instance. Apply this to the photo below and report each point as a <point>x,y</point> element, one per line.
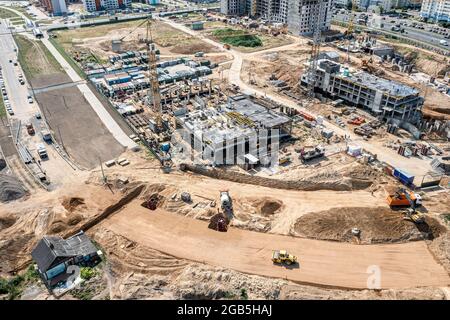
<point>377,225</point>
<point>10,188</point>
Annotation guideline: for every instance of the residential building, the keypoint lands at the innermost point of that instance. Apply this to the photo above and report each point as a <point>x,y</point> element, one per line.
<point>297,14</point>
<point>301,16</point>
<point>55,7</point>
<point>233,7</point>
<point>379,96</point>
<point>436,10</point>
<point>53,255</point>
<point>99,5</point>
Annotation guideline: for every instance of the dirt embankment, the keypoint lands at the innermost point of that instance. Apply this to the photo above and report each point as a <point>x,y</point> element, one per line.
<point>376,225</point>
<point>140,272</point>
<point>312,183</point>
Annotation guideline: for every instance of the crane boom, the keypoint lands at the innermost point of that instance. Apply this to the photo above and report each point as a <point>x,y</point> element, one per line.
<point>153,94</point>
<point>315,50</point>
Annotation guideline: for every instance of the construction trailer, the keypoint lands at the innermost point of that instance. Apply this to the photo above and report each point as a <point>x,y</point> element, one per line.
<point>381,97</point>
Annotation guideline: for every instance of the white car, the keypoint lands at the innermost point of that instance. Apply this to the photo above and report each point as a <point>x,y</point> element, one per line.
<point>30,99</point>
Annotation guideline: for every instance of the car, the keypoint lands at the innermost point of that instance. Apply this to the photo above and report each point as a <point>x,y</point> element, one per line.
<point>30,129</point>
<point>15,63</point>
<point>10,61</point>
<point>30,99</point>
<point>38,115</point>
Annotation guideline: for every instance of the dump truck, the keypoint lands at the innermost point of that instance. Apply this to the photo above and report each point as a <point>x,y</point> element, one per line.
<point>404,198</point>
<point>317,152</point>
<point>283,257</point>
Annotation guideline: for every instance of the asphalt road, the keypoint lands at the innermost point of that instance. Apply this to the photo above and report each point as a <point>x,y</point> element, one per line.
<point>410,32</point>
<point>17,93</point>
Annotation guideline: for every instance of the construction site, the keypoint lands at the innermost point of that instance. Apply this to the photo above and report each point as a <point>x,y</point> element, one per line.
<point>301,155</point>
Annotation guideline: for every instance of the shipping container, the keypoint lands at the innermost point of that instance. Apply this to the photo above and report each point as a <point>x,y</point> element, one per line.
<point>403,177</point>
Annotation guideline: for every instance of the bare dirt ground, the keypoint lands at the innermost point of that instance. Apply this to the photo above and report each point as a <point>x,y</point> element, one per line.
<point>377,225</point>
<point>190,239</point>
<point>138,267</point>
<point>98,39</point>
<point>85,139</point>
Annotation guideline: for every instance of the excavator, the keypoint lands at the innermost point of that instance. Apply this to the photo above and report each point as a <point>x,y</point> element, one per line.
<point>404,198</point>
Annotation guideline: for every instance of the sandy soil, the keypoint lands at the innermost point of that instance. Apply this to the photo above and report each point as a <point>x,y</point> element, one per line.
<point>191,239</point>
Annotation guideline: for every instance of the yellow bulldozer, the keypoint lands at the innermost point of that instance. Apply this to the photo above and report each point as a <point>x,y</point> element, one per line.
<point>283,257</point>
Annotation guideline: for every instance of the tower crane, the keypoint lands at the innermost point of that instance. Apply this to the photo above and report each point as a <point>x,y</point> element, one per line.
<point>153,99</point>
<point>317,17</point>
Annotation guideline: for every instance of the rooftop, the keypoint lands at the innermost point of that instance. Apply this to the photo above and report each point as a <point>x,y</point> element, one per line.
<point>390,87</point>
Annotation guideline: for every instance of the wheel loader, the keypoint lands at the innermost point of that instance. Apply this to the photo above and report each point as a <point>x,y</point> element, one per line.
<point>283,257</point>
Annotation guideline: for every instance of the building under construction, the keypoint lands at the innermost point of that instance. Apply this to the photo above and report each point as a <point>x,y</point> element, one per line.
<point>379,96</point>
<point>297,14</point>
<point>242,129</point>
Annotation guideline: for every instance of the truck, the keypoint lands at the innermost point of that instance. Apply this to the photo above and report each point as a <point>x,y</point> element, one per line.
<point>317,152</point>
<point>46,136</point>
<point>41,151</point>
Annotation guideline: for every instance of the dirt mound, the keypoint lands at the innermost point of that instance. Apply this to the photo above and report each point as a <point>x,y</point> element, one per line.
<point>7,221</point>
<point>73,203</point>
<point>267,206</point>
<point>10,188</point>
<point>377,225</point>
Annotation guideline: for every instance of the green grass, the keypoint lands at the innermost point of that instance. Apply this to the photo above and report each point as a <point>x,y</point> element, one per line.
<point>34,58</point>
<point>87,273</point>
<point>2,108</point>
<point>14,287</point>
<point>24,12</point>
<point>68,58</point>
<point>5,14</point>
<point>237,38</point>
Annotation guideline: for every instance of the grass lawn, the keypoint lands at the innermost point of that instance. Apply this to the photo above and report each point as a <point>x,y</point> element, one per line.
<point>5,14</point>
<point>35,59</point>
<point>24,12</point>
<point>2,108</point>
<point>68,58</point>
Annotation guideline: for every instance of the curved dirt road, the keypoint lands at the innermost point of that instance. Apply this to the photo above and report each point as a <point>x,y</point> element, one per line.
<point>321,262</point>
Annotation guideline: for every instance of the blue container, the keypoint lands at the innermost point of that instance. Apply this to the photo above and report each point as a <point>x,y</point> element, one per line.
<point>165,147</point>
<point>403,177</point>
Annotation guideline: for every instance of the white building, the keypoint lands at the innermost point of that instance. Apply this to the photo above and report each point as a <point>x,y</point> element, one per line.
<point>436,10</point>
<point>98,5</point>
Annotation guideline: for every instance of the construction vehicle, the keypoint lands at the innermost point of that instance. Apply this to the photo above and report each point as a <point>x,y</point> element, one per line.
<point>30,129</point>
<point>226,203</point>
<point>404,198</point>
<point>357,121</point>
<point>317,152</point>
<point>283,257</point>
<point>414,216</point>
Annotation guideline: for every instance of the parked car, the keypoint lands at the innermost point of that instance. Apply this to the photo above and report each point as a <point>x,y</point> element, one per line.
<point>30,129</point>
<point>30,99</point>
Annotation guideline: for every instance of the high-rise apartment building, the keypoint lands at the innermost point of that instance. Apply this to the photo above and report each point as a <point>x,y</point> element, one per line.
<point>436,10</point>
<point>98,5</point>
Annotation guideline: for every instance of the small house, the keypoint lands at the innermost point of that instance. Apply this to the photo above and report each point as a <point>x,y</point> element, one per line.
<point>53,255</point>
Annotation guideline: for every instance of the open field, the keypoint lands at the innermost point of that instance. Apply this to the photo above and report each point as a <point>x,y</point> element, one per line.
<point>77,127</point>
<point>98,39</point>
<point>5,14</point>
<point>35,59</point>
